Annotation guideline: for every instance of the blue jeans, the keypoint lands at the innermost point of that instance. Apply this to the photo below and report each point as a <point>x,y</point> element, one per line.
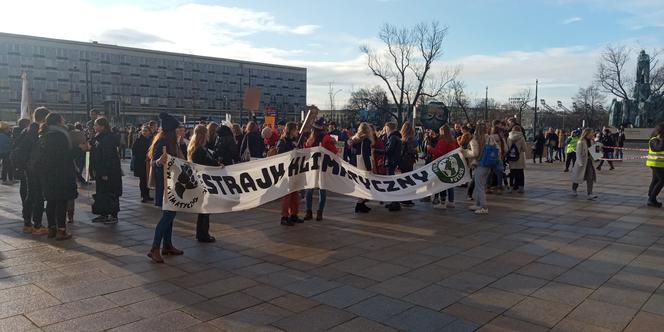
<point>550,152</point>
<point>447,194</point>
<point>479,193</point>
<point>164,229</point>
<point>322,196</point>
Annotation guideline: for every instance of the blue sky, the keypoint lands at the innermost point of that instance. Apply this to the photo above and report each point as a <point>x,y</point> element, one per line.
<point>502,44</point>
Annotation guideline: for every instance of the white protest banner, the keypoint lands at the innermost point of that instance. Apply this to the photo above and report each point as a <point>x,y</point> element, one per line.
<point>203,189</point>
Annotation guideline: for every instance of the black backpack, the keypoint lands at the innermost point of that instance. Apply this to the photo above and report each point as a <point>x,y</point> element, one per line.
<point>513,154</point>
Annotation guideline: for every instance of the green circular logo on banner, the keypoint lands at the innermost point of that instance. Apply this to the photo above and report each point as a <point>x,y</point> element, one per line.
<point>450,169</point>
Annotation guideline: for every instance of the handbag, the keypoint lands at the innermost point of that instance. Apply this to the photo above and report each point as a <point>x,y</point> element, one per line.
<point>105,204</point>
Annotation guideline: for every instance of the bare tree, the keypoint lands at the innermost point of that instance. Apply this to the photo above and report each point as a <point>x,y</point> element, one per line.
<point>405,65</point>
<point>458,98</point>
<point>519,102</point>
<point>615,79</point>
<point>374,99</point>
<point>590,104</point>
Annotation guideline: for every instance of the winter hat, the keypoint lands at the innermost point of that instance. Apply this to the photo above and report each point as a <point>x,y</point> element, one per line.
<point>168,122</point>
<point>319,124</point>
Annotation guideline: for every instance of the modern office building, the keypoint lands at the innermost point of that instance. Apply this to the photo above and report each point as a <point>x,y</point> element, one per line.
<point>132,85</point>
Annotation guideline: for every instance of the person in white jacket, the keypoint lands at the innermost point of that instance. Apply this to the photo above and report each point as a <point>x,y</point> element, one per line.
<point>474,154</point>
<point>516,157</point>
<point>583,169</point>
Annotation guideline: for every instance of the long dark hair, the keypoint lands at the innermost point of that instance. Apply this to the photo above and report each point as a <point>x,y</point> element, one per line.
<point>52,119</point>
<point>659,130</point>
<point>171,140</point>
<point>316,137</point>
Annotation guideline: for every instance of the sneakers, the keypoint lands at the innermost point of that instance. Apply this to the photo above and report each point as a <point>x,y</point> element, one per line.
<point>482,211</point>
<point>111,220</point>
<point>450,205</point>
<point>509,190</point>
<point>295,219</point>
<point>99,219</point>
<point>439,206</point>
<point>408,204</point>
<point>362,208</point>
<point>520,190</point>
<point>654,204</point>
<point>574,193</point>
<point>435,201</point>
<point>473,207</point>
<point>286,222</point>
<point>592,197</point>
<point>39,230</point>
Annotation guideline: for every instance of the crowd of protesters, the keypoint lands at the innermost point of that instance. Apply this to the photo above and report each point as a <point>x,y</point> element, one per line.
<point>48,158</point>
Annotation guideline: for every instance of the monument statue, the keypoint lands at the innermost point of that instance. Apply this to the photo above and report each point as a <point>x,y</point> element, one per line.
<point>644,110</point>
<point>433,115</point>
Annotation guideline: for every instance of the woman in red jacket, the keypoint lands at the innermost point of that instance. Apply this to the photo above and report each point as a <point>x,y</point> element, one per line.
<point>446,144</point>
<point>318,137</point>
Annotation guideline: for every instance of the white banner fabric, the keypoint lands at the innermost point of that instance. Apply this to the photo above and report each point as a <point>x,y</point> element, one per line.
<point>202,189</point>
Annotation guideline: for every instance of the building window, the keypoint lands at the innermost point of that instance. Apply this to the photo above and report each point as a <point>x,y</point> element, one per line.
<point>145,101</point>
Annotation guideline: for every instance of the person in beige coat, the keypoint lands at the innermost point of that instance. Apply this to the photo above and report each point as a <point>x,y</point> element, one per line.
<point>516,157</point>
<point>584,169</point>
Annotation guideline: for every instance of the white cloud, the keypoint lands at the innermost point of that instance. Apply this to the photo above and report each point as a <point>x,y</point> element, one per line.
<point>572,20</point>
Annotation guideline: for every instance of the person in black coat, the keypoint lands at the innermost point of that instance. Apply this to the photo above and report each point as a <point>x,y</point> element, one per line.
<point>393,146</point>
<point>139,152</point>
<point>198,153</point>
<point>106,165</point>
<point>253,141</point>
<point>226,150</point>
<point>538,149</point>
<point>57,174</point>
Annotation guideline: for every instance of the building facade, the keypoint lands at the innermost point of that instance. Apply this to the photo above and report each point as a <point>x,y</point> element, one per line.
<point>133,85</point>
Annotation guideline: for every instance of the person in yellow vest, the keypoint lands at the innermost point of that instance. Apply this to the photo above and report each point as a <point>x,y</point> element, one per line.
<point>656,162</point>
<point>570,149</point>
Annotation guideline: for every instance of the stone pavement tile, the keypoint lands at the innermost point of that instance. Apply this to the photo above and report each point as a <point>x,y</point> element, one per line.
<point>571,325</point>
<point>467,282</point>
<point>26,304</point>
<point>492,299</point>
<point>326,272</point>
<point>655,304</point>
<point>354,264</point>
<point>602,314</point>
<point>430,273</point>
<point>356,281</point>
<point>165,303</point>
<point>541,270</point>
<point>344,296</point>
<point>585,279</point>
<point>16,324</point>
<point>640,281</point>
<point>256,318</point>
<point>199,278</point>
<point>361,324</point>
<point>148,277</point>
<point>434,297</point>
<point>264,292</point>
<point>519,284</point>
<point>625,297</point>
<point>420,319</point>
<point>560,259</point>
<point>469,313</point>
<point>294,303</point>
<point>597,266</point>
<point>398,287</point>
<point>460,325</point>
<point>414,261</point>
<point>203,327</point>
<point>224,286</point>
<point>311,287</point>
<point>484,252</point>
<point>283,278</point>
<point>256,270</point>
<point>319,318</point>
<point>236,263</point>
<point>170,321</point>
<point>92,289</point>
<point>382,271</point>
<point>141,293</point>
<point>15,293</point>
<point>459,262</point>
<point>220,306</point>
<point>379,308</point>
<point>96,322</point>
<point>67,311</point>
<point>440,251</point>
<point>563,293</point>
<point>507,324</point>
<point>18,270</point>
<point>495,268</point>
<point>540,312</point>
<point>646,322</point>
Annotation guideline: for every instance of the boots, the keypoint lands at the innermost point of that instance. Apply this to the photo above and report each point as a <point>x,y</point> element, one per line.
<point>361,208</point>
<point>51,233</point>
<point>155,256</point>
<point>170,250</point>
<point>308,215</point>
<point>319,215</point>
<point>62,234</point>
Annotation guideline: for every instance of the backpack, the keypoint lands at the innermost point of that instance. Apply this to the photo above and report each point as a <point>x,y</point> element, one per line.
<point>489,155</point>
<point>513,154</point>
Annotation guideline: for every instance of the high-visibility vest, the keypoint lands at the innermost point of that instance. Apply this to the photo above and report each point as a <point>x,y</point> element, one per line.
<point>571,146</point>
<point>655,158</point>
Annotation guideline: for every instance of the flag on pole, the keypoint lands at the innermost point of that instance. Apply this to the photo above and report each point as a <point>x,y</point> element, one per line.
<point>25,98</point>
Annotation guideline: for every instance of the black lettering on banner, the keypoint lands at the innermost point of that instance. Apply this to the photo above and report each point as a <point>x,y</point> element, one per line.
<point>404,182</point>
<point>375,185</point>
<point>304,165</point>
<point>247,182</point>
<point>277,173</point>
<point>353,176</point>
<point>266,181</point>
<point>423,177</point>
<point>218,180</point>
<point>232,185</point>
<point>211,188</point>
<point>365,182</point>
<point>315,161</point>
<point>294,167</point>
<point>342,171</point>
<point>329,162</point>
<point>391,186</point>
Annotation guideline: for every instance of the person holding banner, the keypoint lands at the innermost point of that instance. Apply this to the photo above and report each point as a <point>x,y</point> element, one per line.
<point>164,143</point>
<point>444,145</point>
<point>361,146</point>
<point>656,162</point>
<point>584,170</point>
<point>408,156</point>
<point>393,148</point>
<point>318,137</point>
<point>198,153</point>
<point>291,202</point>
<point>226,150</point>
<point>252,143</point>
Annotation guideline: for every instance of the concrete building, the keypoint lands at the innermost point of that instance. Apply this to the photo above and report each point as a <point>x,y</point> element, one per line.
<point>133,85</point>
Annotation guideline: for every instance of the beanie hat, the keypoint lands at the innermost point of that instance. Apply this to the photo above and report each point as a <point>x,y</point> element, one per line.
<point>319,123</point>
<point>168,122</point>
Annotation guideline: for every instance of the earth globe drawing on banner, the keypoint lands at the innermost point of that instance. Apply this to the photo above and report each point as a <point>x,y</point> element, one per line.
<point>433,115</point>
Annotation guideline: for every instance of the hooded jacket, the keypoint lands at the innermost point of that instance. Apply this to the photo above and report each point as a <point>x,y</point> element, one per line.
<point>393,147</point>
<point>517,138</point>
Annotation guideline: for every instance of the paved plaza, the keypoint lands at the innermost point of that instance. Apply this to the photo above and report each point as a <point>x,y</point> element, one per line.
<point>539,261</point>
